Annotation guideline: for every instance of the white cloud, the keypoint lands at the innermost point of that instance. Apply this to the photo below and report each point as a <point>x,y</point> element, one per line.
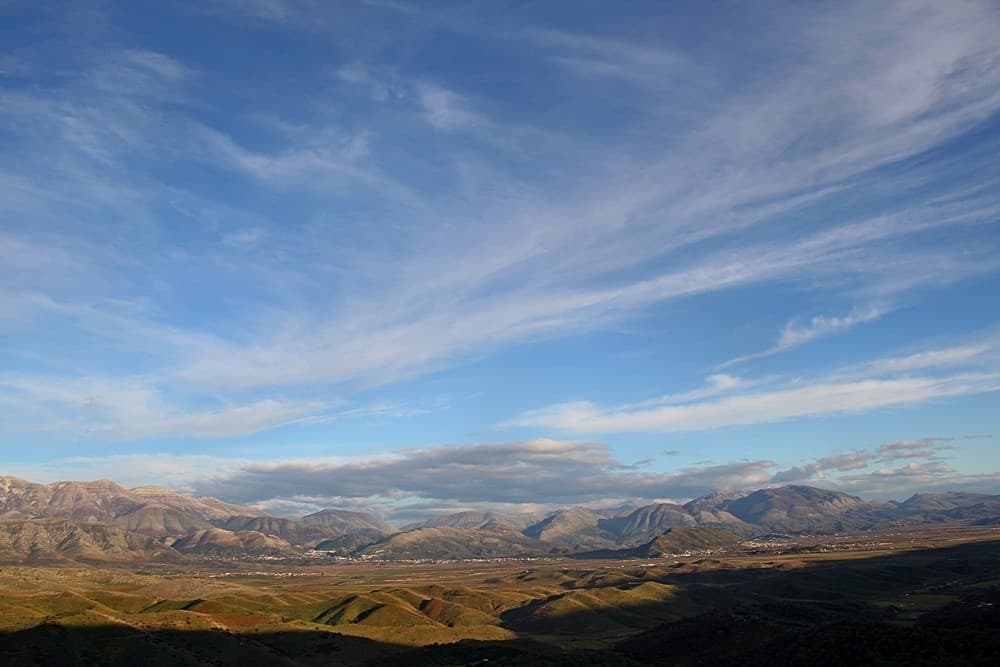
<point>327,154</point>
<point>432,323</point>
<point>176,472</point>
<point>528,476</point>
<point>646,65</point>
<point>914,476</point>
<point>838,462</point>
<point>562,240</point>
<point>271,11</point>
<point>759,408</point>
<point>923,448</point>
<point>244,238</point>
<point>446,109</point>
<point>795,334</point>
<point>941,358</point>
<point>857,471</point>
<point>876,385</point>
<point>383,86</point>
<point>543,472</point>
<point>105,407</point>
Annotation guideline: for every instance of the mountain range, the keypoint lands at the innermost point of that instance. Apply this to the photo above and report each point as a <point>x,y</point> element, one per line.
<point>104,522</point>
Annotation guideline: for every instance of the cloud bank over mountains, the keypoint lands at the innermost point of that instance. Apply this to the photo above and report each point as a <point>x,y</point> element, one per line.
<point>528,476</point>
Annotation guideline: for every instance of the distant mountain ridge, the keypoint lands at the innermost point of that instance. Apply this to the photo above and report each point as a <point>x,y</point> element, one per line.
<point>803,508</point>
<point>576,526</point>
<point>649,521</point>
<point>47,541</point>
<point>353,530</point>
<point>955,505</point>
<point>449,543</point>
<point>346,520</point>
<point>102,521</point>
<point>158,524</point>
<point>146,510</point>
<point>474,519</point>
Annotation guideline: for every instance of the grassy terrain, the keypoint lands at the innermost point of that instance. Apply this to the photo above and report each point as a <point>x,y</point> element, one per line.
<point>891,588</point>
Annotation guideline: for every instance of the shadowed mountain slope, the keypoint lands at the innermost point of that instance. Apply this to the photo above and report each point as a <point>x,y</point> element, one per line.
<point>200,527</point>
<point>686,540</point>
<point>220,543</point>
<point>674,541</point>
<point>60,540</point>
<point>212,528</point>
<point>928,506</point>
<point>344,521</point>
<point>474,519</point>
<point>649,521</point>
<point>576,526</point>
<point>802,508</point>
<point>292,531</point>
<point>445,542</point>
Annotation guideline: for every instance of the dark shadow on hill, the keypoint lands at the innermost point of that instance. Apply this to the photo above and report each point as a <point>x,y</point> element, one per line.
<point>928,607</point>
<point>961,633</point>
<point>936,606</point>
<point>746,635</point>
<point>122,646</point>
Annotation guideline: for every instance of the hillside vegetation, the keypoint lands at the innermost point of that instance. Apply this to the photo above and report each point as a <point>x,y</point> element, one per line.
<point>929,606</point>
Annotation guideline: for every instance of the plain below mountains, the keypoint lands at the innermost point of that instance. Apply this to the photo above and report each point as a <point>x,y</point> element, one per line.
<point>104,522</point>
<point>674,542</point>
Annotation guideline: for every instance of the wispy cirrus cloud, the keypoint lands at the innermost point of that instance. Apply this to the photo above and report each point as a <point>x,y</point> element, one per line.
<point>760,408</point>
<point>358,268</point>
<point>177,472</point>
<point>650,66</point>
<point>796,333</point>
<point>101,408</point>
<point>115,409</point>
<point>931,359</point>
<point>879,384</point>
<point>446,109</point>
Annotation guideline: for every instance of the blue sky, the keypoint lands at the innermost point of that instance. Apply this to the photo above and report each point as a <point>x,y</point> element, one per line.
<point>426,256</point>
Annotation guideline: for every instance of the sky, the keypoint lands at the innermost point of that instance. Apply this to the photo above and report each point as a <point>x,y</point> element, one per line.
<point>420,257</point>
